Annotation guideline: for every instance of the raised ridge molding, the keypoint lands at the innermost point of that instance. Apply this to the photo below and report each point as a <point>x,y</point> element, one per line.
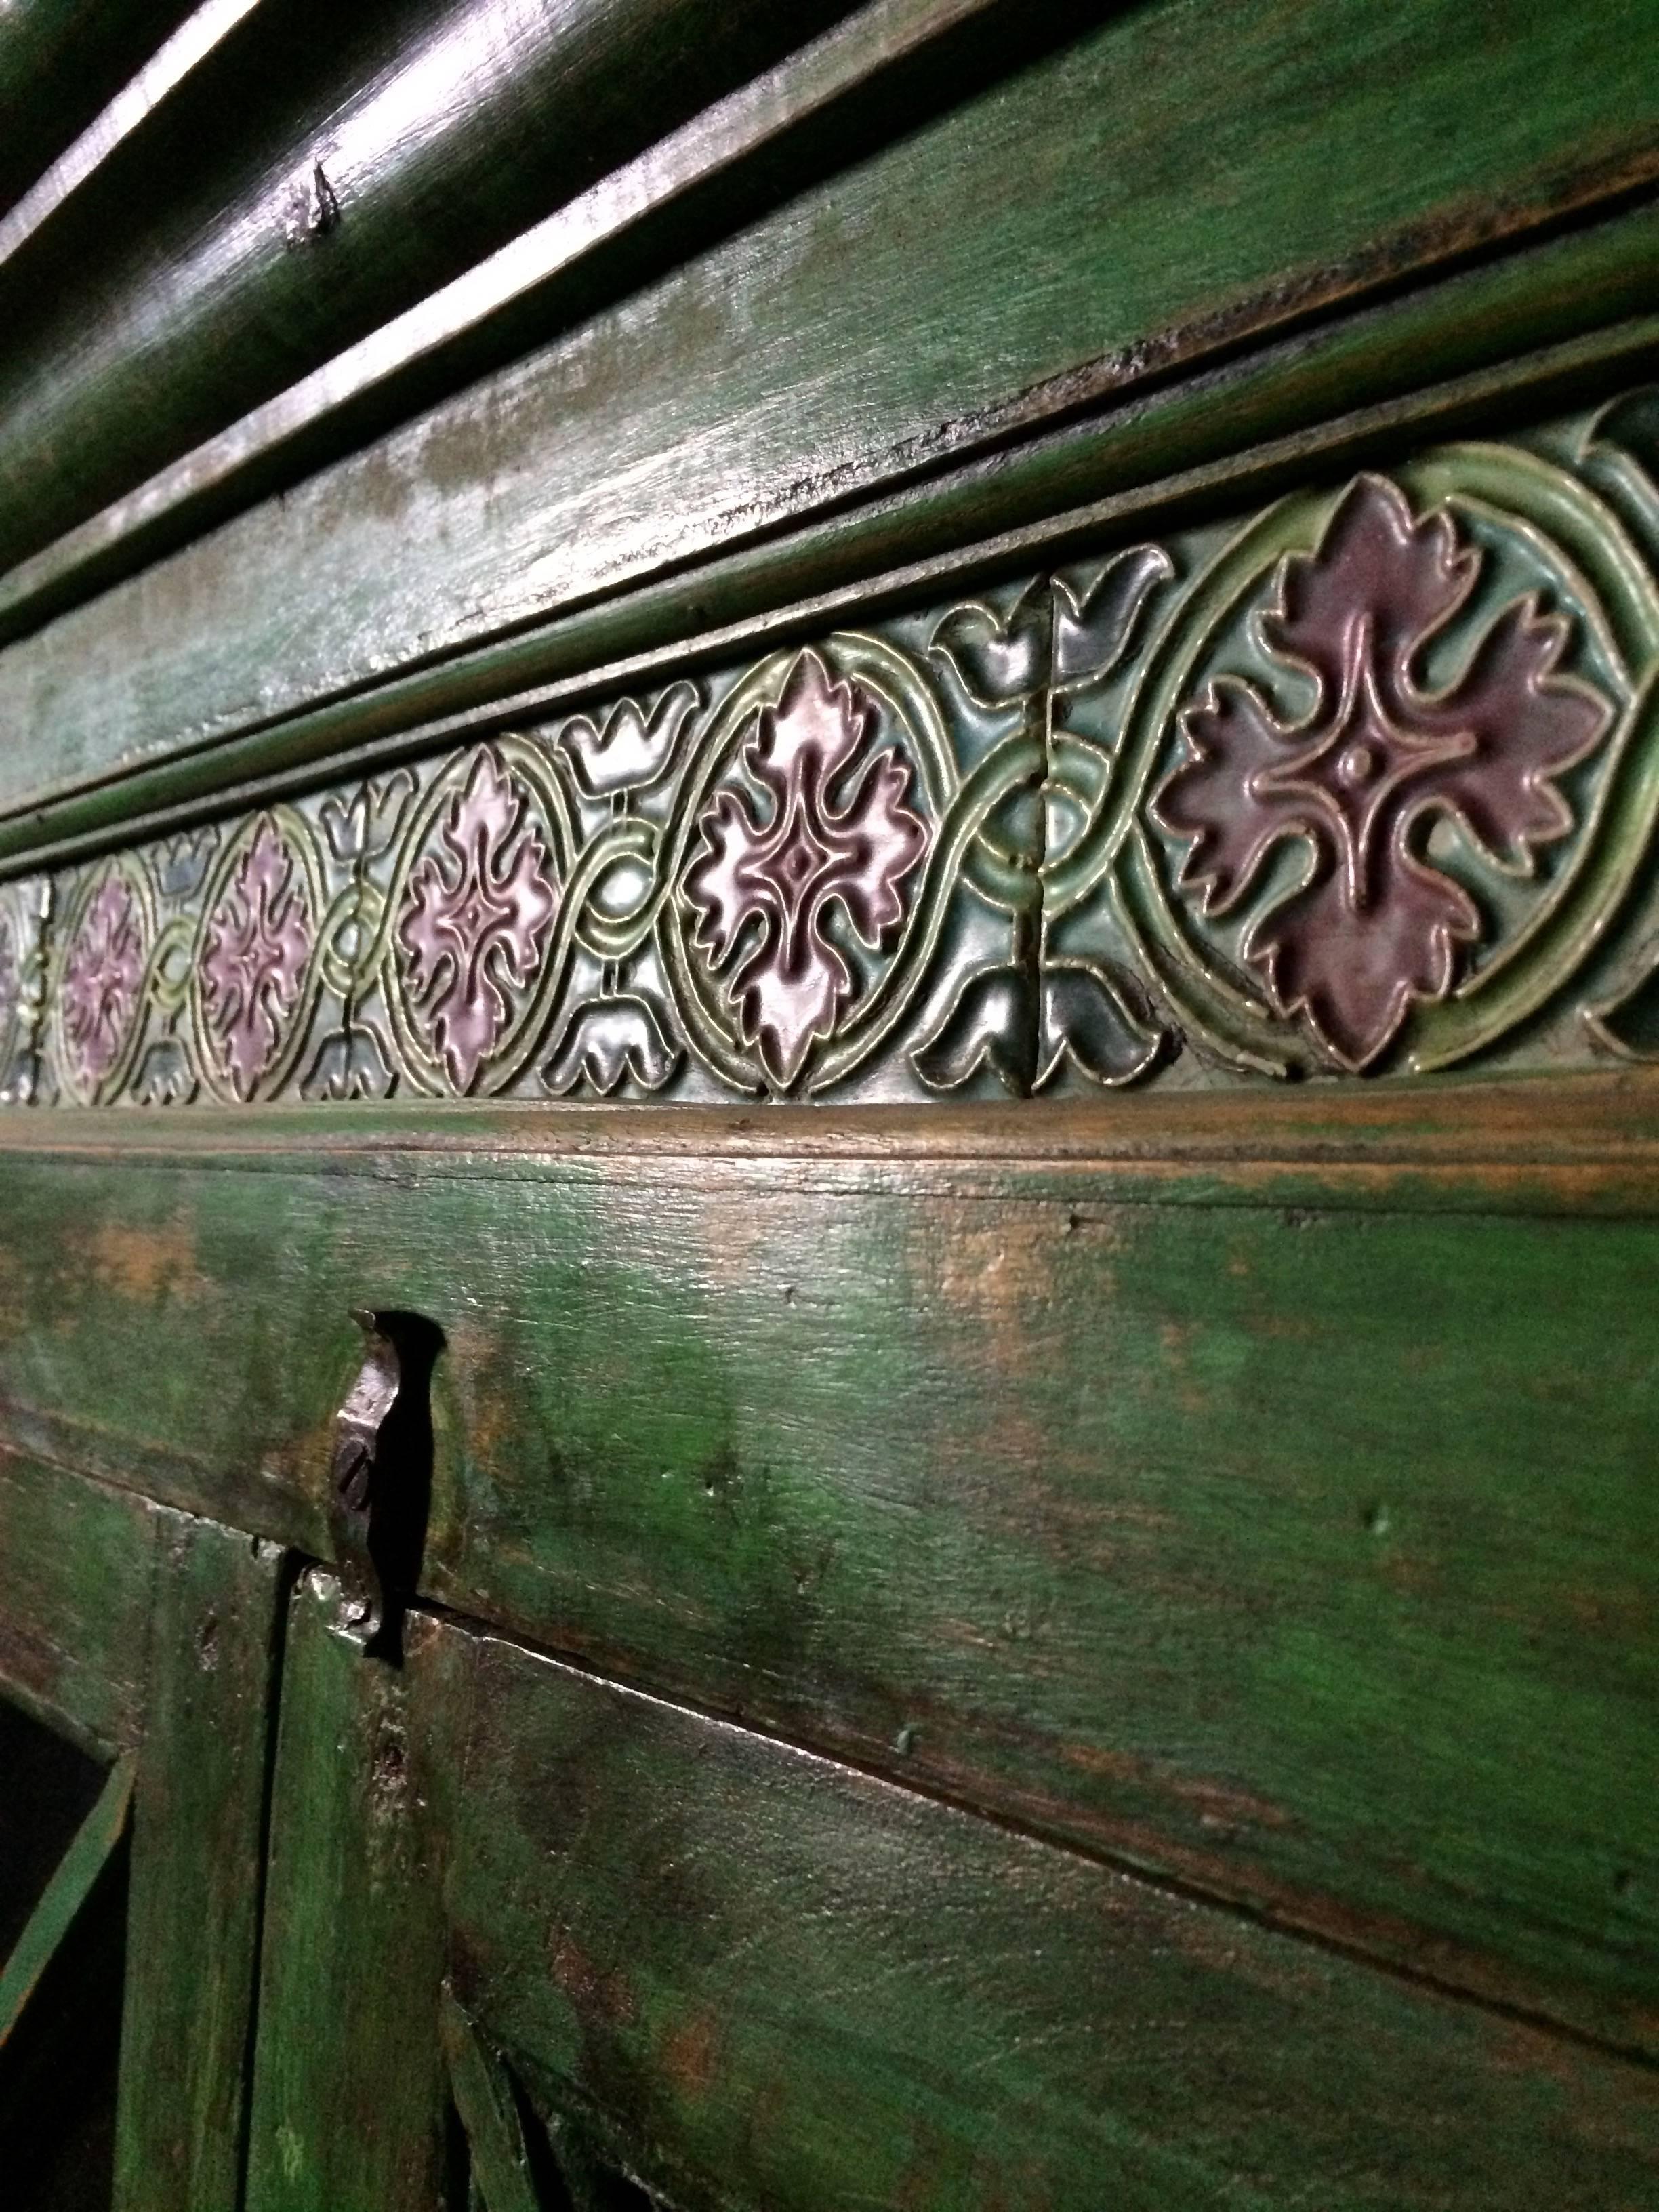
<point>1365,779</point>
<point>55,78</point>
<point>358,245</point>
<point>1188,446</point>
<point>539,496</point>
<point>194,41</point>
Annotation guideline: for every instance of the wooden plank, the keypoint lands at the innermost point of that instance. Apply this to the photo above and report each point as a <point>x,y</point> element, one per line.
<point>1149,201</point>
<point>499,2156</point>
<point>1261,1496</point>
<point>776,1983</point>
<point>75,1567</point>
<point>197,37</point>
<point>196,1880</point>
<point>350,2090</point>
<point>65,1897</point>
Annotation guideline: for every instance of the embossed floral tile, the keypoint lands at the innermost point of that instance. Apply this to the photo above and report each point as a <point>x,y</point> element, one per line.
<point>1364,783</point>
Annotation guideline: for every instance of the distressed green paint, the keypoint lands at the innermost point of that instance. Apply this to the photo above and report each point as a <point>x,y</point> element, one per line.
<point>1139,199</point>
<point>197,1875</point>
<point>1236,1519</point>
<point>498,2154</point>
<point>661,1918</point>
<point>1241,427</point>
<point>349,2090</point>
<point>76,1579</point>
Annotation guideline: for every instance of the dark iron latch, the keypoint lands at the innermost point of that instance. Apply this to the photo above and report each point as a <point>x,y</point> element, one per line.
<point>357,1502</point>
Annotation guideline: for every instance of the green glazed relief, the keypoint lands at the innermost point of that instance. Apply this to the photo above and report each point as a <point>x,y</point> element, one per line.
<point>1364,784</point>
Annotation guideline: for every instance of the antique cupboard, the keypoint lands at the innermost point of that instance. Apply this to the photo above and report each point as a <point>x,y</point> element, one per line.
<point>829,1187</point>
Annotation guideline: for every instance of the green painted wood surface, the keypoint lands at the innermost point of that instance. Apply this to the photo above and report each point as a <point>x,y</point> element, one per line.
<point>75,1575</point>
<point>766,1980</point>
<point>499,2156</point>
<point>1253,1507</point>
<point>65,1897</point>
<point>1140,200</point>
<point>1565,316</point>
<point>185,268</point>
<point>196,1883</point>
<point>349,2089</point>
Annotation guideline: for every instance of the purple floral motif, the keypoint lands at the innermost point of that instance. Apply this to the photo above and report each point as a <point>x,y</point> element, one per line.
<point>785,871</point>
<point>103,974</point>
<point>1373,926</point>
<point>476,919</point>
<point>258,940</point>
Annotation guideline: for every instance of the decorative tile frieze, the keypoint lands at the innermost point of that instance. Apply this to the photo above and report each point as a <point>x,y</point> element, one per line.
<point>1366,783</point>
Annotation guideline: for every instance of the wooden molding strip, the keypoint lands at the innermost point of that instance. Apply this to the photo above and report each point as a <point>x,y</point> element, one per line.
<point>194,41</point>
<point>183,495</point>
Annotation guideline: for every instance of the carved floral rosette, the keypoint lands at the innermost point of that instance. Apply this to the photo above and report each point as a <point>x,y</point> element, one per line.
<point>1384,764</point>
<point>474,941</point>
<point>253,970</point>
<point>808,865</point>
<point>99,980</point>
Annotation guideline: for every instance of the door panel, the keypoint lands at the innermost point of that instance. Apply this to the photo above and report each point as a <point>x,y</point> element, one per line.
<point>76,1586</point>
<point>1235,1516</point>
<point>150,1638</point>
<point>196,1889</point>
<point>746,1976</point>
<point>349,2104</point>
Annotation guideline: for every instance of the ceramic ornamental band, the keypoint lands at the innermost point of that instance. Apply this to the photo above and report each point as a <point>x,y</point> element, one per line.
<point>1364,783</point>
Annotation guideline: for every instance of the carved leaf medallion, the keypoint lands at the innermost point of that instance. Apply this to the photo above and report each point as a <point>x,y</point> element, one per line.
<point>1374,924</point>
<point>476,916</point>
<point>257,941</point>
<point>103,975</point>
<point>816,845</point>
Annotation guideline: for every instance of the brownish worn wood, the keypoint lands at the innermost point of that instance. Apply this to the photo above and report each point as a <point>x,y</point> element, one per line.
<point>75,1569</point>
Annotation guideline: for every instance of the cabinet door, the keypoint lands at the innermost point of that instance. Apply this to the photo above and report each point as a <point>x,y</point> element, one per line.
<point>136,1649</point>
<point>537,1940</point>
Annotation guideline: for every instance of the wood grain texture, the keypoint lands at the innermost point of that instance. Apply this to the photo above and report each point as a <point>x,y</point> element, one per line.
<point>350,2092</point>
<point>659,1918</point>
<point>1250,1505</point>
<point>199,265</point>
<point>75,1569</point>
<point>1147,202</point>
<point>197,37</point>
<point>195,1882</point>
